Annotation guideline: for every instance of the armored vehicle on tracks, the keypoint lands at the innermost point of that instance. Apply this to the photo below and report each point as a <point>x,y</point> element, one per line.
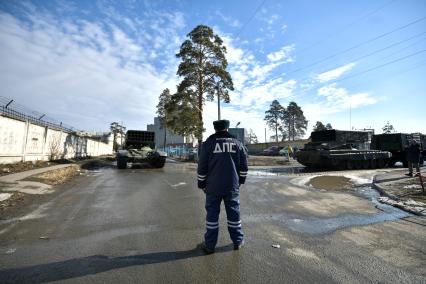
<point>138,148</point>
<point>397,144</point>
<point>341,150</point>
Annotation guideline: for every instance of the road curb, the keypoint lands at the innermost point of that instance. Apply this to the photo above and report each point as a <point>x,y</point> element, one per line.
<point>395,200</point>
<point>383,191</point>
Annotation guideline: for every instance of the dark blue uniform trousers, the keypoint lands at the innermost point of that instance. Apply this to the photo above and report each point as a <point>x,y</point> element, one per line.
<point>232,207</point>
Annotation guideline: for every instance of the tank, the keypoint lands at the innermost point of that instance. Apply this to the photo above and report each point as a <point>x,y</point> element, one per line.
<point>341,150</point>
<point>138,149</point>
<point>397,144</point>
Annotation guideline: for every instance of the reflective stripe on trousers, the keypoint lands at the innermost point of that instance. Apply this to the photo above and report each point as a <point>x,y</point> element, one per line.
<point>232,207</point>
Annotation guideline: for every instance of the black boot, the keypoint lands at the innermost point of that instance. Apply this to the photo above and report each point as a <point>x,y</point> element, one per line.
<point>205,249</point>
<point>238,246</point>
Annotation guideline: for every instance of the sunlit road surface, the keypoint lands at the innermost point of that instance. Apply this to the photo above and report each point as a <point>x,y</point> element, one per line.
<point>143,225</point>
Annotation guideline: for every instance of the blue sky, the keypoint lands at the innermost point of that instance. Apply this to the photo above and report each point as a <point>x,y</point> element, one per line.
<point>353,64</point>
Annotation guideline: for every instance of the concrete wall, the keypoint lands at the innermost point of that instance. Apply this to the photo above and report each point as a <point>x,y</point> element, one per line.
<point>25,141</point>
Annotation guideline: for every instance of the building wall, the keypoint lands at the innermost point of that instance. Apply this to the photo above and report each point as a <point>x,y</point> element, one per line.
<point>172,139</point>
<point>240,134</point>
<point>24,141</point>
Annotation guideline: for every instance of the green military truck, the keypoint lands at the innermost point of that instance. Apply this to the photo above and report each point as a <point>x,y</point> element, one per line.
<point>138,149</point>
<point>341,150</point>
<point>397,144</point>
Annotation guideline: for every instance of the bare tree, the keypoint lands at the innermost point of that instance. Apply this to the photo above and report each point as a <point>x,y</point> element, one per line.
<point>55,146</point>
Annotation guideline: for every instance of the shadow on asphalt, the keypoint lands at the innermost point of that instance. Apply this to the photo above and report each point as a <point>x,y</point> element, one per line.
<point>90,265</point>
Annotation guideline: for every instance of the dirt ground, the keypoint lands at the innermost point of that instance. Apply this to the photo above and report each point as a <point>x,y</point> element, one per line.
<point>6,169</point>
<point>267,160</point>
<point>16,198</point>
<point>56,177</point>
<point>49,178</point>
<point>408,189</point>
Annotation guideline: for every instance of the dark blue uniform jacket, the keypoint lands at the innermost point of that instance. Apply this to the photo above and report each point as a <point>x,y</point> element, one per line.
<point>222,164</point>
<point>413,153</point>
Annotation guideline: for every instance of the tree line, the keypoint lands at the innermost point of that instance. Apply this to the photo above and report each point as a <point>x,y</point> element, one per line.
<point>204,77</point>
<point>287,122</point>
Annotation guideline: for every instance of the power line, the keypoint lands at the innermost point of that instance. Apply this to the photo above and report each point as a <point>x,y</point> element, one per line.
<point>377,51</point>
<point>404,48</point>
<point>251,18</point>
<point>383,49</point>
<point>410,68</point>
<point>379,66</point>
<point>348,25</point>
<point>353,47</point>
<point>366,71</point>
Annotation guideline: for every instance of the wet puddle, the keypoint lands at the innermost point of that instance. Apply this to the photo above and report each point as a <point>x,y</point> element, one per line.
<point>353,184</point>
<point>317,225</point>
<point>331,182</point>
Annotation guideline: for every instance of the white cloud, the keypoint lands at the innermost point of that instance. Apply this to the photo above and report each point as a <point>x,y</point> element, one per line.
<point>178,20</point>
<point>272,19</point>
<point>234,55</point>
<point>253,91</point>
<point>83,73</point>
<point>333,105</point>
<point>249,120</point>
<point>89,74</point>
<point>229,20</point>
<point>335,73</point>
<point>283,55</point>
<point>334,100</point>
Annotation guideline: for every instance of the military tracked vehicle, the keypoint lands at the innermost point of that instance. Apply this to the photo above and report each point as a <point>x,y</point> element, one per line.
<point>138,148</point>
<point>341,150</point>
<point>397,144</point>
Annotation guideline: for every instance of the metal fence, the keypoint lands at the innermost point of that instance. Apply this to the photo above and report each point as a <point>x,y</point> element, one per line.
<point>9,108</point>
<point>182,152</point>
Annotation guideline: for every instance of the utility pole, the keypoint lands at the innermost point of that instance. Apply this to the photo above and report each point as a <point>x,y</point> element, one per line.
<point>218,103</point>
<point>265,135</point>
<point>121,134</point>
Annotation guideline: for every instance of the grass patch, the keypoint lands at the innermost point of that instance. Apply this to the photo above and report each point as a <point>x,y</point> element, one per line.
<point>6,169</point>
<point>56,177</point>
<point>267,161</point>
<point>11,201</point>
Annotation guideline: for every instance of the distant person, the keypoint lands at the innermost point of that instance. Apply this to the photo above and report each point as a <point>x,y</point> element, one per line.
<point>413,157</point>
<point>222,168</point>
<point>290,151</point>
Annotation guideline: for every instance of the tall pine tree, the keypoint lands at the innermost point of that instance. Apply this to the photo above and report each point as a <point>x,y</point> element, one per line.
<point>274,117</point>
<point>164,100</point>
<point>295,121</point>
<point>203,69</point>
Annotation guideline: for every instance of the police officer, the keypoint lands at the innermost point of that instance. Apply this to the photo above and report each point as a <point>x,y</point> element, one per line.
<point>222,168</point>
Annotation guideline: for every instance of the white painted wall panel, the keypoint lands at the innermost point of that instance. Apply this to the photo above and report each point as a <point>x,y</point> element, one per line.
<point>41,144</point>
<point>11,136</point>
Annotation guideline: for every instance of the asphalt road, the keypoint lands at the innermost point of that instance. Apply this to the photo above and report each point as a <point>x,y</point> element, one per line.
<point>143,225</point>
